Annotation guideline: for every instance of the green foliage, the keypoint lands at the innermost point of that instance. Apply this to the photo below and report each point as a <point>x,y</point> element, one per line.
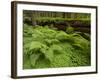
<point>46,48</point>
<point>69,29</point>
<point>34,58</point>
<point>36,47</point>
<point>57,19</point>
<point>62,35</point>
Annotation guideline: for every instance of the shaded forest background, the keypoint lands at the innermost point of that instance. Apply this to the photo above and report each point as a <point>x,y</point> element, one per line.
<point>61,20</point>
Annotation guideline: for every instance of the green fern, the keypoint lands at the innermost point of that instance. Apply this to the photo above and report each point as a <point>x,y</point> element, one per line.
<point>33,58</point>
<point>62,36</point>
<point>45,47</point>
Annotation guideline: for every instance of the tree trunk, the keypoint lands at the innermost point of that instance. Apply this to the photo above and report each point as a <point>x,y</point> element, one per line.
<point>33,19</point>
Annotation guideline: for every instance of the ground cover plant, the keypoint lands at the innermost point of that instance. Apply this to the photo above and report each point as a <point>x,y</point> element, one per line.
<point>48,43</point>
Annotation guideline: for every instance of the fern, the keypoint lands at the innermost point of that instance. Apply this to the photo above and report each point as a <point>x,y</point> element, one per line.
<point>57,48</point>
<point>34,58</point>
<point>35,45</point>
<point>48,54</point>
<point>45,47</point>
<point>69,29</point>
<point>61,35</point>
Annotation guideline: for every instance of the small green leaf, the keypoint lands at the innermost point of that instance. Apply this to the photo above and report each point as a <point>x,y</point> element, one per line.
<point>57,48</point>
<point>69,29</point>
<point>35,45</point>
<point>34,58</point>
<point>48,53</point>
<point>62,36</point>
<point>78,46</point>
<point>26,62</point>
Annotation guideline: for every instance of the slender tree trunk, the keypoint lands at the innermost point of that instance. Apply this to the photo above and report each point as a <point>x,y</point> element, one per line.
<point>33,19</point>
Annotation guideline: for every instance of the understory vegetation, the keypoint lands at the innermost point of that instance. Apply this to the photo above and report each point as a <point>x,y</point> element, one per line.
<point>46,47</point>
